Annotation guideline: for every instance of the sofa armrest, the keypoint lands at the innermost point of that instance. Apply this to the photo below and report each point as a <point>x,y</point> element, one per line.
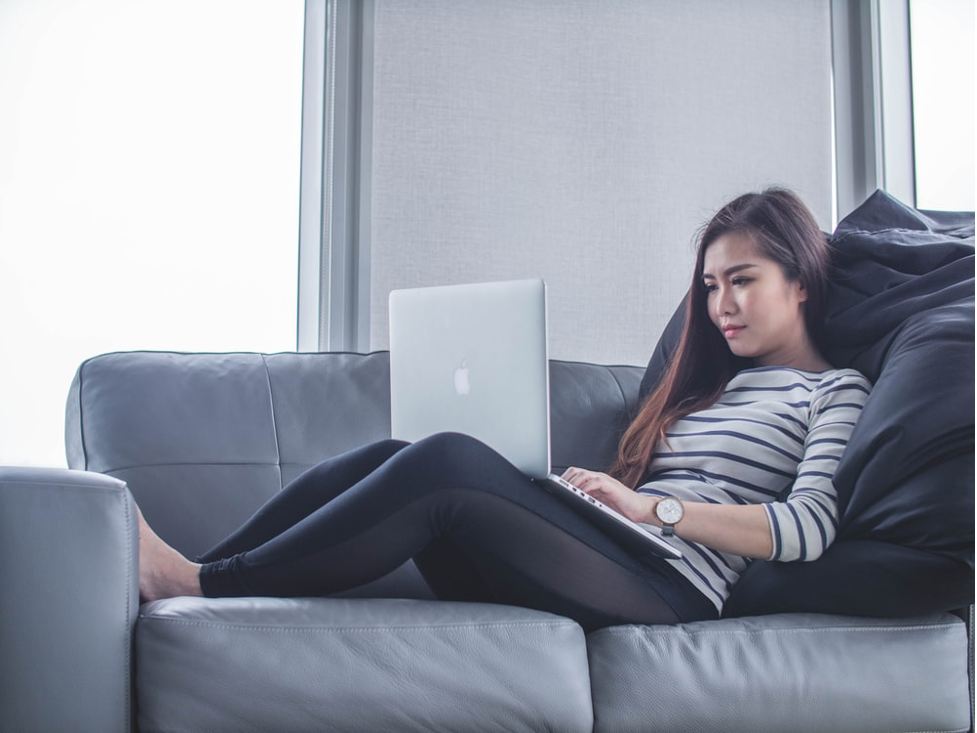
<point>69,599</point>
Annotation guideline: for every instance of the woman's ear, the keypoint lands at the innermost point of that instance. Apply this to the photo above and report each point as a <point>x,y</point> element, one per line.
<point>801,290</point>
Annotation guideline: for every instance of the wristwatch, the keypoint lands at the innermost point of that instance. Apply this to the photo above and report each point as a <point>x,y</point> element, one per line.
<point>670,511</point>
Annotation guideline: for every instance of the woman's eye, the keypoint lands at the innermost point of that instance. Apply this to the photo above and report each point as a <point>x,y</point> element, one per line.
<point>741,280</point>
<point>710,287</point>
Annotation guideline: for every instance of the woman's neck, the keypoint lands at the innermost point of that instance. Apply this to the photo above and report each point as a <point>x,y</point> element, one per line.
<point>805,356</point>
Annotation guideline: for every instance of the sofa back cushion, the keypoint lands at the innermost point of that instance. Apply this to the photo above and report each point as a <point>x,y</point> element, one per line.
<point>202,440</point>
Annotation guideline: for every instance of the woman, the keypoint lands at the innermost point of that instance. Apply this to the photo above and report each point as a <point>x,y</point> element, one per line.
<point>733,455</point>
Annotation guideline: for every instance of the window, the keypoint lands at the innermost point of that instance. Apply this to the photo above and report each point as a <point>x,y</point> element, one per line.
<point>149,176</point>
<point>942,48</point>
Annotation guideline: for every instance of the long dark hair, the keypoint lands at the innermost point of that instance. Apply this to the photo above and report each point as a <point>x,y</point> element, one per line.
<point>782,229</point>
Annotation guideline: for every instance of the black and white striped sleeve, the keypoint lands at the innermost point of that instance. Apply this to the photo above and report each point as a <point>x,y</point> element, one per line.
<point>806,522</point>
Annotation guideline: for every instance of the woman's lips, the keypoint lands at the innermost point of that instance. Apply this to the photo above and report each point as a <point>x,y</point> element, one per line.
<point>732,331</point>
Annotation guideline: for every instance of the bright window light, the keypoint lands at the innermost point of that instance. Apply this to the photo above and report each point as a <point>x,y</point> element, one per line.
<point>149,175</point>
<point>942,43</point>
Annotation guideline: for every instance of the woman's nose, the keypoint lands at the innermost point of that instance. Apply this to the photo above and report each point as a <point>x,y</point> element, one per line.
<point>724,303</point>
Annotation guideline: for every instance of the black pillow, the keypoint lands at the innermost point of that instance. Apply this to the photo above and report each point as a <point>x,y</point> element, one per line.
<point>855,578</point>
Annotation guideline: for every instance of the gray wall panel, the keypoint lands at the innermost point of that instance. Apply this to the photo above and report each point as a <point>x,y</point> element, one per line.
<point>585,143</point>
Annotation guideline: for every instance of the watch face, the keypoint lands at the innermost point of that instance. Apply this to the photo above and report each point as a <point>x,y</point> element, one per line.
<point>669,511</point>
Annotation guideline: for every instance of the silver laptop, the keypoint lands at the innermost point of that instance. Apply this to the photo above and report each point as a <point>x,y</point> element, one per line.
<point>473,359</point>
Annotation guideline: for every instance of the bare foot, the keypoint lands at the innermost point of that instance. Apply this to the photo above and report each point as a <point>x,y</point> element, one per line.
<point>163,572</point>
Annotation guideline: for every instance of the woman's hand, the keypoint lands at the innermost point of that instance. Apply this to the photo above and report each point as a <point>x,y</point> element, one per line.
<point>737,529</point>
<point>636,507</point>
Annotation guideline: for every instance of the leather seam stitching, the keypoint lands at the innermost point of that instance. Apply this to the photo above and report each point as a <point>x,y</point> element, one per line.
<point>358,629</point>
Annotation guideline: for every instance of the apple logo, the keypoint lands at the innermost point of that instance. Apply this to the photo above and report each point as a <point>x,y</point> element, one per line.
<point>462,385</point>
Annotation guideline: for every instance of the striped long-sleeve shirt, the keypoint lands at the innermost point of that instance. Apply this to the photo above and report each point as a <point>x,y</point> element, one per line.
<point>775,431</point>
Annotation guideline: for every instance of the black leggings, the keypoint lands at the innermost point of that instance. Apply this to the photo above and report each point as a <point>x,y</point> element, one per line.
<point>477,528</point>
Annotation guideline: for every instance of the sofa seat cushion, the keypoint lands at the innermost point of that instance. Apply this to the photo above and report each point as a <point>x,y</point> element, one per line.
<point>270,664</point>
<point>796,672</point>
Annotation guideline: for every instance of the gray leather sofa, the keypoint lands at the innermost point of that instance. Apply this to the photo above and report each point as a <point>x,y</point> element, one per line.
<point>200,440</point>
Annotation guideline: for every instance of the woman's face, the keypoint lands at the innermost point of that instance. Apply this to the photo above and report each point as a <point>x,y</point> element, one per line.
<point>757,309</point>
